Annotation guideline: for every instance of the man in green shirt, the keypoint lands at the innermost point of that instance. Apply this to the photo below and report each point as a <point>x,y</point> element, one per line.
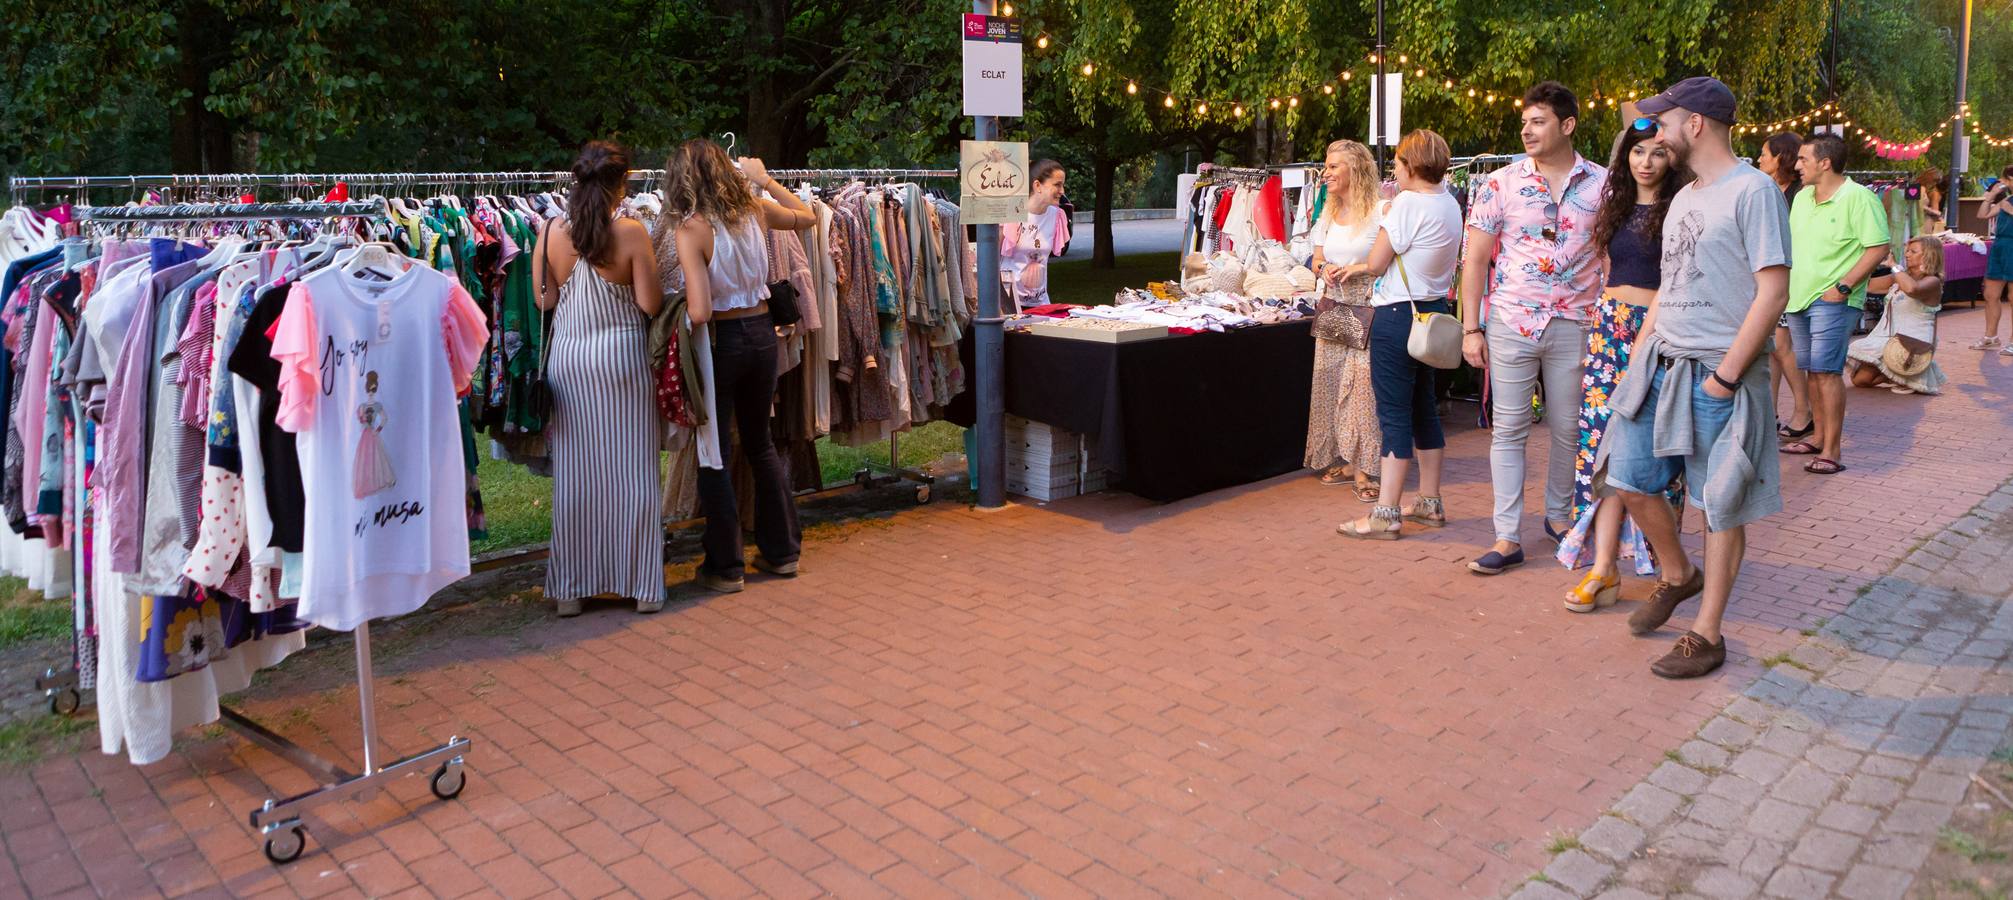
<point>1837,234</point>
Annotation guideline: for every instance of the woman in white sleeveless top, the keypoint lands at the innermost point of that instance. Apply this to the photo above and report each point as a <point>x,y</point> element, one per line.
<point>717,223</point>
<point>598,277</point>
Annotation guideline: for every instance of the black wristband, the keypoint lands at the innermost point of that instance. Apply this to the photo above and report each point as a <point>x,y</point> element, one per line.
<point>1730,386</point>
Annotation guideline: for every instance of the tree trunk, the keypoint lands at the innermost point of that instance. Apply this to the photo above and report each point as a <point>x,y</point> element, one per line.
<point>762,134</point>
<point>1105,175</point>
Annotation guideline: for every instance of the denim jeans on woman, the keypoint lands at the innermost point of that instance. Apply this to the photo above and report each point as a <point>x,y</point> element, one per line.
<point>1408,413</point>
<point>744,387</point>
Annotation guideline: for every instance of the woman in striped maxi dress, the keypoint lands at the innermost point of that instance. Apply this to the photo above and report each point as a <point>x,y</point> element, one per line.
<point>598,276</point>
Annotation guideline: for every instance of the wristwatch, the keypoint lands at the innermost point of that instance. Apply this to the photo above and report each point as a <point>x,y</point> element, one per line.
<point>1844,290</point>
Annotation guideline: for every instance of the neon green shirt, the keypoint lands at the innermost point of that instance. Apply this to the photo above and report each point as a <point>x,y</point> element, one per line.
<point>1826,239</point>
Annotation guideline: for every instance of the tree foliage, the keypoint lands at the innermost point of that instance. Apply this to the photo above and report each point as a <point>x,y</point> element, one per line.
<point>212,85</point>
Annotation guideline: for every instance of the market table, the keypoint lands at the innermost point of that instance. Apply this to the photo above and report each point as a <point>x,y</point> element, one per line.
<point>1172,417</point>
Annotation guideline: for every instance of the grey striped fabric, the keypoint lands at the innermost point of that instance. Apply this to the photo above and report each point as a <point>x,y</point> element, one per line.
<point>604,433</point>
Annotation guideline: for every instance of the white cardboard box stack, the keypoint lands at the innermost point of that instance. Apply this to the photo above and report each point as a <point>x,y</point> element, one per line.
<point>1047,463</point>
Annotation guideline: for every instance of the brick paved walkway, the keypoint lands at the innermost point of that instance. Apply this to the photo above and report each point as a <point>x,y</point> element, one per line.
<point>1098,697</point>
<point>1832,774</point>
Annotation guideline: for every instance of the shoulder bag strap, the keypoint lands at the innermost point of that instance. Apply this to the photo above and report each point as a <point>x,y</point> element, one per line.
<point>546,315</point>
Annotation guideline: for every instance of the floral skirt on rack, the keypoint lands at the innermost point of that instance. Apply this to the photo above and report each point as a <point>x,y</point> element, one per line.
<point>1610,338</point>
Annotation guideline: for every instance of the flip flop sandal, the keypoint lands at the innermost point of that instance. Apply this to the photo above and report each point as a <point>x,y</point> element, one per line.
<point>1822,466</point>
<point>1800,448</point>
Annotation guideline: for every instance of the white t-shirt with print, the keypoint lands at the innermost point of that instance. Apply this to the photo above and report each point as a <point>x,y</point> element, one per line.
<point>386,522</point>
<point>1425,231</point>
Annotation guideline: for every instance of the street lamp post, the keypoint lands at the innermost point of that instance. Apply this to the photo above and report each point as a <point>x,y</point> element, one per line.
<point>989,343</point>
<point>1960,157</point>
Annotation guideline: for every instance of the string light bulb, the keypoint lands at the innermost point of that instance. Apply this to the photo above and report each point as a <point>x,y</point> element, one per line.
<point>1275,103</point>
<point>1293,102</point>
<point>1006,9</point>
<point>1237,110</point>
<point>1041,42</point>
<point>1373,57</point>
<point>1328,89</point>
<point>1471,92</point>
<point>1402,59</point>
<point>1088,70</point>
<point>1421,73</point>
<point>1347,75</point>
<point>1132,87</point>
<point>1167,101</point>
<point>1450,84</point>
<point>1202,109</point>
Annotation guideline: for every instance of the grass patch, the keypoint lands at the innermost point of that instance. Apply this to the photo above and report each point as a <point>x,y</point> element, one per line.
<point>1674,756</point>
<point>1965,845</point>
<point>1562,843</point>
<point>1782,659</point>
<point>1074,281</point>
<point>518,504</point>
<point>27,741</point>
<point>2003,755</point>
<point>26,615</point>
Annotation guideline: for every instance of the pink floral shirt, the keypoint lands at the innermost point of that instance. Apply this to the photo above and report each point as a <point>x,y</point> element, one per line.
<point>1546,264</point>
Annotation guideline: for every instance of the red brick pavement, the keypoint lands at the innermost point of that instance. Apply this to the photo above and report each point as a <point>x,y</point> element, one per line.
<point>1100,697</point>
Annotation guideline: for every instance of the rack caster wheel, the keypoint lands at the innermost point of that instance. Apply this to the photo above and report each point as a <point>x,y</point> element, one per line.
<point>448,780</point>
<point>65,702</point>
<point>284,845</point>
<point>922,495</point>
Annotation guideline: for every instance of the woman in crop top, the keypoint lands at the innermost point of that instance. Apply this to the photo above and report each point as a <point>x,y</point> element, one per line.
<point>1629,229</point>
<point>718,222</point>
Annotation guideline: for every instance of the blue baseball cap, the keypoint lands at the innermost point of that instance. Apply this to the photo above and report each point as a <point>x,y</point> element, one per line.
<point>1705,95</point>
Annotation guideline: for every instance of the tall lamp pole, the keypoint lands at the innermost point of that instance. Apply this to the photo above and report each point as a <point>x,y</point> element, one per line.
<point>1960,156</point>
<point>989,343</point>
<point>1376,94</point>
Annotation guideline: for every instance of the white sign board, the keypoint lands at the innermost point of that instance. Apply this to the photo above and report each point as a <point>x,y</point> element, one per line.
<point>1385,113</point>
<point>992,182</point>
<point>992,66</point>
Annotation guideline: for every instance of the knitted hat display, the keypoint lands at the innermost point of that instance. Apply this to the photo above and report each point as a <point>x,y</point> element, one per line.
<point>1226,272</point>
<point>1266,284</point>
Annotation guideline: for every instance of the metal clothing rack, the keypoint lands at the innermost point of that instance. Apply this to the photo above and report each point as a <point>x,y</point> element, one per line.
<point>279,819</point>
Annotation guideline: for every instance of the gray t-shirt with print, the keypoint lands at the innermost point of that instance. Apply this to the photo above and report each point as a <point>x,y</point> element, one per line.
<point>1715,238</point>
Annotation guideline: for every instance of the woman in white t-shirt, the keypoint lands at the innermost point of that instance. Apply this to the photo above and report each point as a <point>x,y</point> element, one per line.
<point>1343,437</point>
<point>1418,245</point>
<point>1025,247</point>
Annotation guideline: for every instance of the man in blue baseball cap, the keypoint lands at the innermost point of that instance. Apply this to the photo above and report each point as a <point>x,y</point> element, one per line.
<point>1696,399</point>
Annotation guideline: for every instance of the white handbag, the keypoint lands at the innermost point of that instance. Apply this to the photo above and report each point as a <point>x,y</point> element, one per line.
<point>1436,337</point>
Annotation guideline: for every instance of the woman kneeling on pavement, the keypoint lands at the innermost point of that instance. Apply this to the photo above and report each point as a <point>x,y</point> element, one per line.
<point>1900,352</point>
<point>1418,244</point>
<point>1629,232</point>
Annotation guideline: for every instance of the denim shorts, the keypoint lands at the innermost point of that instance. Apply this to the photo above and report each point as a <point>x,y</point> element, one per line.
<point>1633,465</point>
<point>1821,333</point>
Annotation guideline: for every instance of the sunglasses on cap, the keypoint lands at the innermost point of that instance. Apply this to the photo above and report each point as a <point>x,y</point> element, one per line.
<point>1646,123</point>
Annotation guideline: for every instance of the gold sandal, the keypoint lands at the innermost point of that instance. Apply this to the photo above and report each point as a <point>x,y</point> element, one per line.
<point>1428,511</point>
<point>1377,514</point>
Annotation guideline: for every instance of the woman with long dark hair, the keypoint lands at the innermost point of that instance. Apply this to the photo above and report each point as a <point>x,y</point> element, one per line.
<point>717,222</point>
<point>1778,161</point>
<point>597,276</point>
<point>1629,231</point>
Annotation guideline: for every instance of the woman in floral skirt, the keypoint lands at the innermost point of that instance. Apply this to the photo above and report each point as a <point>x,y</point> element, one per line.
<point>1629,230</point>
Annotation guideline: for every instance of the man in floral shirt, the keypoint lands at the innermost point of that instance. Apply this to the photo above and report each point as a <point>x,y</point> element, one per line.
<point>1534,219</point>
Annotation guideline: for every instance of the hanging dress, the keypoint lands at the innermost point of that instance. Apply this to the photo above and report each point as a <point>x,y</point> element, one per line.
<point>607,537</point>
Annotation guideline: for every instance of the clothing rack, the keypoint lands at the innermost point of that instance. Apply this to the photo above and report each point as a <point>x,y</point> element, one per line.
<point>279,819</point>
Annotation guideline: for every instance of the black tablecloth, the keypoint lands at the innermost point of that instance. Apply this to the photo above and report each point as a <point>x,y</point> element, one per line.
<point>1173,417</point>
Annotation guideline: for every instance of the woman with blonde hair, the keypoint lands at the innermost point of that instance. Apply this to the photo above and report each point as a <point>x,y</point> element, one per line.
<point>1900,352</point>
<point>1342,431</point>
<point>718,222</point>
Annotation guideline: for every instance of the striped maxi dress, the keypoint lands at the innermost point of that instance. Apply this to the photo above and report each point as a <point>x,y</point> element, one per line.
<point>607,537</point>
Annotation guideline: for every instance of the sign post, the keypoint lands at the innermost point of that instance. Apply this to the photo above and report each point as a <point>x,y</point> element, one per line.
<point>992,88</point>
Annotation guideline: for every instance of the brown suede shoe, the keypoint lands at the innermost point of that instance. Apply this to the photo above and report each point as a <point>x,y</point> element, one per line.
<point>1691,657</point>
<point>1663,601</point>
